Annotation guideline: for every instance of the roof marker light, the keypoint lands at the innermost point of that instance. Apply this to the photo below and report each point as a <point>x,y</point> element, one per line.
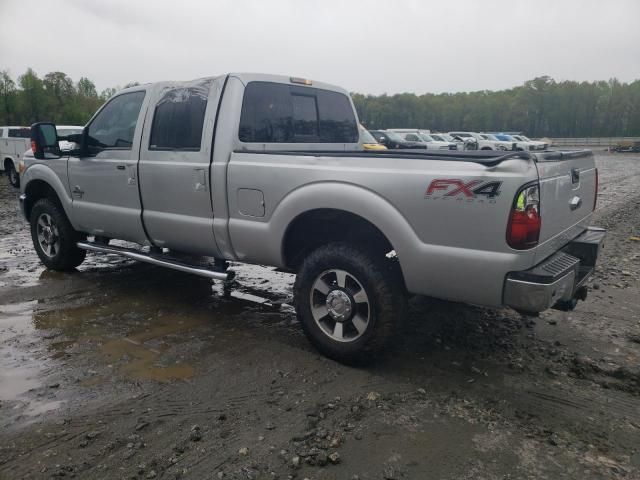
<point>301,81</point>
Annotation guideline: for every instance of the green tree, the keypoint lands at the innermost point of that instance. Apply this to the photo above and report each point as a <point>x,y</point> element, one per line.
<point>86,88</point>
<point>8,96</point>
<point>31,99</point>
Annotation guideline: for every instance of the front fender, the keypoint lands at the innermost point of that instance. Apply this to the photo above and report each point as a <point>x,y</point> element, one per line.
<point>44,173</point>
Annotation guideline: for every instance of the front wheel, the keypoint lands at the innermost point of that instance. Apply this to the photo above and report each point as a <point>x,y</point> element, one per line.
<point>14,178</point>
<point>53,236</point>
<point>349,302</point>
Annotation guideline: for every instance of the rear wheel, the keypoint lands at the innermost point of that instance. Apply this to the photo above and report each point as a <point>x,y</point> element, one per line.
<point>53,236</point>
<point>349,302</point>
<point>14,178</point>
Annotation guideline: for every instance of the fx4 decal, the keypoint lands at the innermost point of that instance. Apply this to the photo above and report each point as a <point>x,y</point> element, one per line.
<point>471,191</point>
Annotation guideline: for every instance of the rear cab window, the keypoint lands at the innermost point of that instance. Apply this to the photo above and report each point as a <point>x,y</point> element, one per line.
<point>280,113</point>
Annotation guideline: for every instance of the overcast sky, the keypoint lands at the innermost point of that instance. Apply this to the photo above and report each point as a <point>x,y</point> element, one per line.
<point>365,46</point>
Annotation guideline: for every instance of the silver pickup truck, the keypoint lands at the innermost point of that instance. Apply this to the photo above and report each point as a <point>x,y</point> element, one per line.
<point>268,170</point>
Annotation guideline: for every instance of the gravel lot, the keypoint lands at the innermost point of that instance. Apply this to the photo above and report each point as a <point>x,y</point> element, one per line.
<point>125,370</point>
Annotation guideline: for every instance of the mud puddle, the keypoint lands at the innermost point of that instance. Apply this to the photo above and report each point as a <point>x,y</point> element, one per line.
<point>135,324</point>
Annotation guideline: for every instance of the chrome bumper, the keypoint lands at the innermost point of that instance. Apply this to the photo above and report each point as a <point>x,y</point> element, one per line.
<point>559,280</point>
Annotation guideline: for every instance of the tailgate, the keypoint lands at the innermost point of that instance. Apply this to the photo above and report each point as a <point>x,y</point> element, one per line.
<point>568,182</point>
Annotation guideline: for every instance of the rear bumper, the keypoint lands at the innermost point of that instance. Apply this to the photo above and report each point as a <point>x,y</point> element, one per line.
<point>559,280</point>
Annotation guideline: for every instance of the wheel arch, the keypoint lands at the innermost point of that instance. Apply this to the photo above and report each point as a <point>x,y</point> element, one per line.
<point>313,228</point>
<point>376,218</point>
<point>41,182</point>
<point>6,161</point>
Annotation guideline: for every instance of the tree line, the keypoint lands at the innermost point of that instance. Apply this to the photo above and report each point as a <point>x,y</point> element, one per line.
<point>54,97</point>
<point>540,107</point>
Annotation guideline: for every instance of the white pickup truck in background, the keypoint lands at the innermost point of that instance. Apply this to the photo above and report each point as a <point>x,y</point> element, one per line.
<point>14,141</point>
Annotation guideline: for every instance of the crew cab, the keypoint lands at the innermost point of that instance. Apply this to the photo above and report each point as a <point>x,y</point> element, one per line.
<point>14,141</point>
<point>268,170</point>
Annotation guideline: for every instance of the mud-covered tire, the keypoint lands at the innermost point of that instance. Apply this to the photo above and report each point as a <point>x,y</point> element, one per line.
<point>49,220</point>
<point>381,281</point>
<point>12,174</point>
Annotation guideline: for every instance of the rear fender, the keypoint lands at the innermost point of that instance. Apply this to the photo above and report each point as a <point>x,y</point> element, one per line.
<point>248,237</point>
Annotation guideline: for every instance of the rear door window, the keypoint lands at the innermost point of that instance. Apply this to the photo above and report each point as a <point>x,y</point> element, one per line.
<point>280,113</point>
<point>179,118</point>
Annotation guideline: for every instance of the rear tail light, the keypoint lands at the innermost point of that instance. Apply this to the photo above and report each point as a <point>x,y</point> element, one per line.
<point>595,195</point>
<point>34,147</point>
<point>523,231</point>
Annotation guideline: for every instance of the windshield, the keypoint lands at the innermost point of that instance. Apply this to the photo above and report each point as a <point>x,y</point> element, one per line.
<point>463,135</point>
<point>63,132</point>
<point>425,137</point>
<point>366,137</point>
<point>491,137</point>
<point>438,137</point>
<point>526,139</point>
<point>519,138</point>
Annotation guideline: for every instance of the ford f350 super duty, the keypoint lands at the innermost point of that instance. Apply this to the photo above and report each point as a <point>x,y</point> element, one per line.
<point>268,170</point>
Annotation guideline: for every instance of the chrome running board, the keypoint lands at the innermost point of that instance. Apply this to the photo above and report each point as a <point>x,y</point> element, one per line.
<point>157,259</point>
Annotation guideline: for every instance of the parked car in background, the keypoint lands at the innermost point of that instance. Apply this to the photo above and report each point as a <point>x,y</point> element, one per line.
<point>393,140</point>
<point>521,141</point>
<point>14,141</point>
<point>536,143</point>
<point>367,140</point>
<point>627,146</point>
<point>416,135</point>
<point>445,137</point>
<point>508,145</point>
<point>268,170</point>
<point>473,141</point>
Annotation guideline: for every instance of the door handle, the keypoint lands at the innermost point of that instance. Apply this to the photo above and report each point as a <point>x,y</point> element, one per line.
<point>120,167</point>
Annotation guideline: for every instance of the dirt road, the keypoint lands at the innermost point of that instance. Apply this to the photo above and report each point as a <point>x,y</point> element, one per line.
<point>124,370</point>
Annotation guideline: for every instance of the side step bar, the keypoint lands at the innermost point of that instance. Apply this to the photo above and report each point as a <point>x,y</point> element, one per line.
<point>157,260</point>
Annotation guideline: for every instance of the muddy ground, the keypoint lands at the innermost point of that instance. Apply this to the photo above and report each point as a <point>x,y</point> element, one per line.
<point>125,370</point>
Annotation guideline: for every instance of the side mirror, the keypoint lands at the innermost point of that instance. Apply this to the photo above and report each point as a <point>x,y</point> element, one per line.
<point>382,140</point>
<point>44,141</point>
